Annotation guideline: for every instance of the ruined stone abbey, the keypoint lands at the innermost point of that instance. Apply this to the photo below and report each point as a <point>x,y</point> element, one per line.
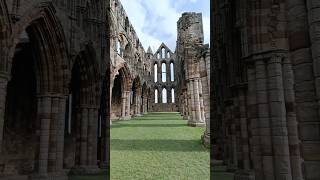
<point>69,68</point>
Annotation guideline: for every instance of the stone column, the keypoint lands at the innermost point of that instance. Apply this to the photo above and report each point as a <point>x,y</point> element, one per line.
<point>311,129</point>
<point>3,94</point>
<point>191,105</point>
<point>253,123</point>
<point>305,67</point>
<point>281,163</point>
<point>92,137</point>
<point>197,105</point>
<point>53,134</point>
<point>264,127</point>
<point>128,111</point>
<point>84,136</point>
<point>244,129</point>
<point>202,112</point>
<point>60,135</point>
<point>44,114</point>
<point>292,124</point>
<point>123,104</point>
<point>206,109</point>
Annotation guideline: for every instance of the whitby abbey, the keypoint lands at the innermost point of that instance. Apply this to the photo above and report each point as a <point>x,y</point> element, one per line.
<point>69,69</point>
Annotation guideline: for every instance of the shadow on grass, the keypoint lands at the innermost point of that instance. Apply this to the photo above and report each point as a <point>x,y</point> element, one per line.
<point>157,145</point>
<point>147,125</point>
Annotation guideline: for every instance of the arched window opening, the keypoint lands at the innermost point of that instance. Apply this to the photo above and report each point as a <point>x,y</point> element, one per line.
<point>172,96</point>
<point>155,73</point>
<point>168,54</point>
<point>164,72</point>
<point>118,46</point>
<point>164,95</point>
<point>158,55</point>
<point>131,97</point>
<point>156,96</point>
<point>171,71</point>
<point>163,53</point>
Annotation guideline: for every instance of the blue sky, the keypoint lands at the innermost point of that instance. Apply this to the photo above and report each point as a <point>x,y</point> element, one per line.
<point>155,21</point>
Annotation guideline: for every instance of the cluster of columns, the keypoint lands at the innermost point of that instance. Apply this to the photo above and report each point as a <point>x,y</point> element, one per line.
<point>266,144</point>
<point>88,116</point>
<point>194,90</point>
<point>51,112</point>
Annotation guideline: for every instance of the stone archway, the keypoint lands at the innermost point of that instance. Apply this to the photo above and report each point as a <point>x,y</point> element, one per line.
<point>120,95</point>
<point>81,133</point>
<point>35,97</point>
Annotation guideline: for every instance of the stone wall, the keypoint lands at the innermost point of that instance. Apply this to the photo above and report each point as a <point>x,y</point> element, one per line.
<point>265,90</point>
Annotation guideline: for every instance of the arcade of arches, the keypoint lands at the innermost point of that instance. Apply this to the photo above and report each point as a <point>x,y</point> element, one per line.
<point>54,83</point>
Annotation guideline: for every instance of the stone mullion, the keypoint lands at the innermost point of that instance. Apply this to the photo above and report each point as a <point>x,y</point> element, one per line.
<point>169,99</point>
<point>160,96</point>
<point>159,72</point>
<point>168,72</point>
<point>44,114</point>
<point>84,136</point>
<point>3,94</point>
<point>264,120</point>
<point>292,124</point>
<point>282,167</point>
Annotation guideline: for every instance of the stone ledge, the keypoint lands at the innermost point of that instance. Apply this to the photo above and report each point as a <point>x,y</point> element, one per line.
<point>244,175</point>
<point>85,170</point>
<point>196,124</point>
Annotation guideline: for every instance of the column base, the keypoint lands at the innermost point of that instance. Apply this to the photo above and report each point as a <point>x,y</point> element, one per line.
<point>244,175</point>
<point>15,177</point>
<point>137,115</point>
<point>85,170</point>
<point>126,118</point>
<point>196,124</point>
<point>205,138</point>
<point>50,176</point>
<point>232,168</point>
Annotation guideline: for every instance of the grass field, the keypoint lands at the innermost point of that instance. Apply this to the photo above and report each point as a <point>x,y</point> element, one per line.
<point>157,146</point>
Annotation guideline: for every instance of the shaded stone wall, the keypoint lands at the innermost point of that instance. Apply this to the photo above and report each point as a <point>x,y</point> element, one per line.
<point>61,37</point>
<point>265,90</point>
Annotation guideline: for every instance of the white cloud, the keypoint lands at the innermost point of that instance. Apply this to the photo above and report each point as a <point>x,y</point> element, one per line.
<point>156,21</point>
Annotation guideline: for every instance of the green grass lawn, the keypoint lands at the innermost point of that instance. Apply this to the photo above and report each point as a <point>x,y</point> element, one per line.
<point>157,146</point>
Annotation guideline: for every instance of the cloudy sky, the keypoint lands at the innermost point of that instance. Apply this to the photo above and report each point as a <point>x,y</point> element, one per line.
<point>155,21</point>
